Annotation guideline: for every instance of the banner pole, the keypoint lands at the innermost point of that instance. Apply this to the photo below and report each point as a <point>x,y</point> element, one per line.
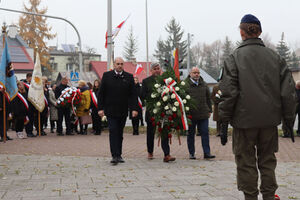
<point>39,123</point>
<point>4,103</point>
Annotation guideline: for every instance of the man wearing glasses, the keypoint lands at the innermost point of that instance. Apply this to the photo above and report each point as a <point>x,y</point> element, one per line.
<point>117,94</point>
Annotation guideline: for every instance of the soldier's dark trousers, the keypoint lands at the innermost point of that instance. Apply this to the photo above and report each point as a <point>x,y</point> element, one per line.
<point>116,127</point>
<point>254,150</point>
<point>150,140</point>
<point>29,125</point>
<point>96,121</point>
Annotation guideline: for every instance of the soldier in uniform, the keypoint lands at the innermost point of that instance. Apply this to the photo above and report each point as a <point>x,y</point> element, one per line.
<point>257,92</point>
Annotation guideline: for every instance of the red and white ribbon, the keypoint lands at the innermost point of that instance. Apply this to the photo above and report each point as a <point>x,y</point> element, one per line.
<point>140,103</point>
<point>170,85</point>
<point>94,98</point>
<point>76,93</point>
<point>5,94</point>
<point>20,96</point>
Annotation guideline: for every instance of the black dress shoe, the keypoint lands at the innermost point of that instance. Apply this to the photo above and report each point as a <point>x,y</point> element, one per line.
<point>114,160</point>
<point>209,156</point>
<point>1,140</point>
<point>69,133</point>
<point>31,135</point>
<point>43,133</point>
<point>97,133</point>
<point>192,157</point>
<point>285,136</point>
<point>60,134</point>
<point>120,159</point>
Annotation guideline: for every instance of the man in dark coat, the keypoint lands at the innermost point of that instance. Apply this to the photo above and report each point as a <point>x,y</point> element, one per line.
<point>257,92</point>
<point>117,95</point>
<point>147,89</point>
<point>63,111</point>
<point>199,91</point>
<point>2,91</point>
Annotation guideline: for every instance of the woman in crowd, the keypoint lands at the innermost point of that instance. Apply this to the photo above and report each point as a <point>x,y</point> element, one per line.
<point>19,108</point>
<point>83,111</point>
<point>53,109</point>
<point>95,117</point>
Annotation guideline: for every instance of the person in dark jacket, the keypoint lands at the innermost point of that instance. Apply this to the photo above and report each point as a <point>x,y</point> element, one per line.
<point>147,89</point>
<point>199,91</point>
<point>257,92</point>
<point>116,96</point>
<point>136,120</point>
<point>20,109</point>
<point>298,107</point>
<point>63,111</point>
<point>94,106</point>
<point>216,98</point>
<point>2,92</point>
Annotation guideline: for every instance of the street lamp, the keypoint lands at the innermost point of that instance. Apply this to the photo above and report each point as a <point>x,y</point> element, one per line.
<point>60,18</point>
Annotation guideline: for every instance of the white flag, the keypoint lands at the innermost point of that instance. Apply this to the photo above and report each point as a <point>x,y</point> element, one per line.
<point>36,89</point>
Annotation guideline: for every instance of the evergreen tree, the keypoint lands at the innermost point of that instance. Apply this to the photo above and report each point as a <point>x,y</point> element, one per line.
<point>294,61</point>
<point>174,40</point>
<point>35,31</point>
<point>227,49</point>
<point>131,46</point>
<point>283,49</point>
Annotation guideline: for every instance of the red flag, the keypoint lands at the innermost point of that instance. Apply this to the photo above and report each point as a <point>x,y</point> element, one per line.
<point>115,31</point>
<point>176,64</point>
<point>139,68</point>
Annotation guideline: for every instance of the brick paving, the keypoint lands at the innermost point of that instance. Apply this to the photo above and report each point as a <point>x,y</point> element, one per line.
<point>77,167</point>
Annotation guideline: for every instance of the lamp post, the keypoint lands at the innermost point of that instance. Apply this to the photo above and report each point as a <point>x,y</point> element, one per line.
<point>147,49</point>
<point>54,17</point>
<point>109,33</point>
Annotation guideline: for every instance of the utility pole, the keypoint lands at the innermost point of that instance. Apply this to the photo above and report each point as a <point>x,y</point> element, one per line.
<point>188,52</point>
<point>109,33</point>
<point>147,49</point>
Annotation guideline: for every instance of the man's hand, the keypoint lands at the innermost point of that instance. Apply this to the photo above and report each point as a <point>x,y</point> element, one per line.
<point>101,113</point>
<point>224,131</point>
<point>134,113</point>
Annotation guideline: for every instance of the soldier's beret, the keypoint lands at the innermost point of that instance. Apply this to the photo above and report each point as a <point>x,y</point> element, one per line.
<point>251,19</point>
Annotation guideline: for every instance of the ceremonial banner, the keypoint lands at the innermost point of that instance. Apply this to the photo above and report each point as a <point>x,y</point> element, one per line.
<point>115,31</point>
<point>7,76</point>
<point>36,89</point>
<point>138,69</point>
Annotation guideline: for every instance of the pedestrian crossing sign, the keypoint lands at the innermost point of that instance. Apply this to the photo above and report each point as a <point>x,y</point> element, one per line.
<point>74,76</point>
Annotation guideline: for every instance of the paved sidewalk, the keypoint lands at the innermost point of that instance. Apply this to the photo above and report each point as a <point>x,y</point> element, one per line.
<point>86,178</point>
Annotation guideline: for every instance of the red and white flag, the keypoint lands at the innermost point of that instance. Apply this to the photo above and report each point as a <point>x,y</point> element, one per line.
<point>139,68</point>
<point>115,31</point>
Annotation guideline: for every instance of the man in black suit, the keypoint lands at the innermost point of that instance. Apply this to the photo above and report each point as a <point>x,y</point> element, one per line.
<point>117,94</point>
<point>147,89</point>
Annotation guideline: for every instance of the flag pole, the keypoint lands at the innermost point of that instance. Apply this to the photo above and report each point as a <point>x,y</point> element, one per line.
<point>4,103</point>
<point>39,123</point>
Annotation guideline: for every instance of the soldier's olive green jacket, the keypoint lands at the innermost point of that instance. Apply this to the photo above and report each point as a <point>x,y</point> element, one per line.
<point>257,87</point>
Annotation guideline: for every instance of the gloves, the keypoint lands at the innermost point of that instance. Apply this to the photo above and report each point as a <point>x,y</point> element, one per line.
<point>224,131</point>
<point>290,128</point>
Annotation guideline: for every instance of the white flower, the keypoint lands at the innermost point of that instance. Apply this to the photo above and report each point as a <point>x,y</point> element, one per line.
<point>188,97</point>
<point>169,79</point>
<point>104,118</point>
<point>70,92</point>
<point>153,95</point>
<point>165,98</point>
<point>182,83</point>
<point>184,101</point>
<point>173,96</point>
<point>156,85</point>
<point>64,96</point>
<point>167,90</point>
<point>177,89</point>
<point>159,90</point>
<point>176,103</point>
<point>61,99</point>
<point>68,95</point>
<point>58,102</point>
<point>154,111</point>
<point>158,104</point>
<point>174,109</point>
<point>187,108</point>
<point>166,107</point>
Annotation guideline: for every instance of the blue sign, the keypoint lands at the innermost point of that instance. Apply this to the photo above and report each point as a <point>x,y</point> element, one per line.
<point>74,76</point>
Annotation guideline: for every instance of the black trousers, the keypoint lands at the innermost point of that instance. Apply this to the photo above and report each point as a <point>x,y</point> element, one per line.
<point>29,125</point>
<point>64,112</point>
<point>52,124</point>
<point>116,127</point>
<point>150,140</point>
<point>135,125</point>
<point>1,124</point>
<point>19,122</point>
<point>96,121</point>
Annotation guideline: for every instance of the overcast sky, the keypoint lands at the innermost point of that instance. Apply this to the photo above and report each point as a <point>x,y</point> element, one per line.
<point>207,20</point>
